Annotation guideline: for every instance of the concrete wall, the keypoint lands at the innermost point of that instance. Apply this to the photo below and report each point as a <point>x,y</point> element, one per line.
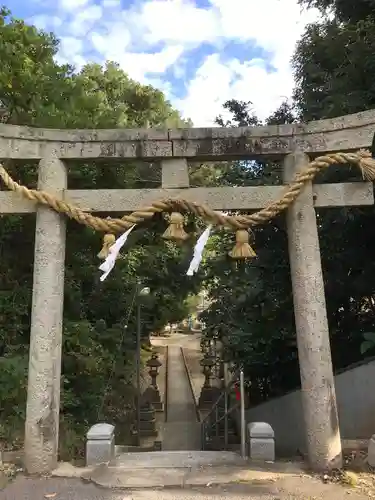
<point>356,407</point>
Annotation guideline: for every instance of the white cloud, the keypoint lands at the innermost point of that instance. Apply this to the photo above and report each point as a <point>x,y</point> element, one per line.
<point>71,46</point>
<point>138,64</point>
<point>110,4</point>
<point>216,82</point>
<point>84,20</point>
<point>152,36</point>
<point>178,21</point>
<point>112,44</point>
<point>73,4</point>
<point>45,22</point>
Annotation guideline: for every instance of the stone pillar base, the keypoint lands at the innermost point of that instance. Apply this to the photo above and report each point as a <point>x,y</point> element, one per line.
<point>152,395</point>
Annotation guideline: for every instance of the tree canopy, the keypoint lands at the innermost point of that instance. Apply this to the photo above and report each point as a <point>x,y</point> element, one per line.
<point>253,309</point>
<point>35,90</point>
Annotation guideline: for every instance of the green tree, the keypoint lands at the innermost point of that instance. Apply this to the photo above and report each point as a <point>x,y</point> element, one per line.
<point>253,308</point>
<point>251,301</point>
<point>343,10</point>
<point>332,63</point>
<point>98,350</point>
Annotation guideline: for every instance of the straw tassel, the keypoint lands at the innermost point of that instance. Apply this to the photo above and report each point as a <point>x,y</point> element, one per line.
<point>108,241</point>
<point>175,231</point>
<point>242,249</point>
<point>367,165</point>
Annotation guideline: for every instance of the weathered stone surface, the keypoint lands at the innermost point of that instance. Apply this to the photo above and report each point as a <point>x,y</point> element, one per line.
<point>152,395</point>
<point>260,430</point>
<point>262,449</point>
<point>220,198</point>
<point>98,452</point>
<point>344,133</point>
<point>43,396</point>
<point>101,431</point>
<point>81,135</point>
<point>317,381</point>
<point>371,451</point>
<point>262,442</point>
<point>28,149</point>
<point>174,173</point>
<point>100,445</point>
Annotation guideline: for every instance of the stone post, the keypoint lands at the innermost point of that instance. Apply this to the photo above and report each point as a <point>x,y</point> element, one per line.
<point>43,395</point>
<point>174,173</point>
<point>261,441</point>
<point>317,380</point>
<point>100,444</point>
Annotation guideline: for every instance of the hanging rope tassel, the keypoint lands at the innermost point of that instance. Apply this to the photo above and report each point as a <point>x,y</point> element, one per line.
<point>108,241</point>
<point>242,249</point>
<point>198,251</point>
<point>367,165</point>
<point>175,231</point>
<point>113,252</point>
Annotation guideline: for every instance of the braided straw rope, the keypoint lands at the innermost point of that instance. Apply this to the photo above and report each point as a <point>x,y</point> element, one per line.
<point>361,159</point>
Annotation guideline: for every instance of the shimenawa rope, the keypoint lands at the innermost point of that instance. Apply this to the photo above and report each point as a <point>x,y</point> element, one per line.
<point>362,159</point>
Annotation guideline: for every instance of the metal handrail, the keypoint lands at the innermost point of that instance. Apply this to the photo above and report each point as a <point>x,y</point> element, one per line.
<point>206,425</point>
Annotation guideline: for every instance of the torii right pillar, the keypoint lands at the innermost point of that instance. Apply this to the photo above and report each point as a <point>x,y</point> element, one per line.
<point>314,352</point>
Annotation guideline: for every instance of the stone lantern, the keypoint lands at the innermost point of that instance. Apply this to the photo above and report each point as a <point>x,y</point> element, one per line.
<point>208,393</point>
<point>152,394</point>
<point>154,364</point>
<point>220,359</point>
<point>207,363</point>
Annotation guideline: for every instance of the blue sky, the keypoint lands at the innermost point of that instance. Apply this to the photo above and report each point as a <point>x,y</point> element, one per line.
<point>199,52</point>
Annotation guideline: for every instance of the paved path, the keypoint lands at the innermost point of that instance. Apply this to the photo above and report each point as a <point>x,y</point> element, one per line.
<point>289,488</point>
<point>182,429</point>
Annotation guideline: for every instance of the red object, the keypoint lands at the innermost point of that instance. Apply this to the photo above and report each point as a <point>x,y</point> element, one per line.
<point>238,393</point>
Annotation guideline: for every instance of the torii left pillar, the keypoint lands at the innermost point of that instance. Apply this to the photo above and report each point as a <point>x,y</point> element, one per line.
<point>43,394</point>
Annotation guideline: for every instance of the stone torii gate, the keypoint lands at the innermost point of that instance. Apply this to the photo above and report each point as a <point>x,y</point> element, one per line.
<point>173,148</point>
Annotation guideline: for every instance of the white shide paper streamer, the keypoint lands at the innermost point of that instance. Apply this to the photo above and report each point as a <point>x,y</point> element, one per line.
<point>198,251</point>
<point>114,250</point>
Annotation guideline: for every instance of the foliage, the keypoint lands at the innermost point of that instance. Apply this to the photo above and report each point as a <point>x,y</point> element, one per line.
<point>333,67</point>
<point>242,114</point>
<point>343,10</point>
<point>251,301</point>
<point>333,63</point>
<point>252,306</point>
<point>98,349</point>
<point>369,342</point>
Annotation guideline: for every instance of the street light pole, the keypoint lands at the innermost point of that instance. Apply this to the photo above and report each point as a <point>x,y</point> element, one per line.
<point>139,293</point>
<point>138,365</point>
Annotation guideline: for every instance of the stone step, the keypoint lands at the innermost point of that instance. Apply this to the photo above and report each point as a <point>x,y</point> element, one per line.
<point>184,477</point>
<point>219,446</point>
<point>212,431</point>
<point>175,459</point>
<point>221,425</point>
<point>217,443</point>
